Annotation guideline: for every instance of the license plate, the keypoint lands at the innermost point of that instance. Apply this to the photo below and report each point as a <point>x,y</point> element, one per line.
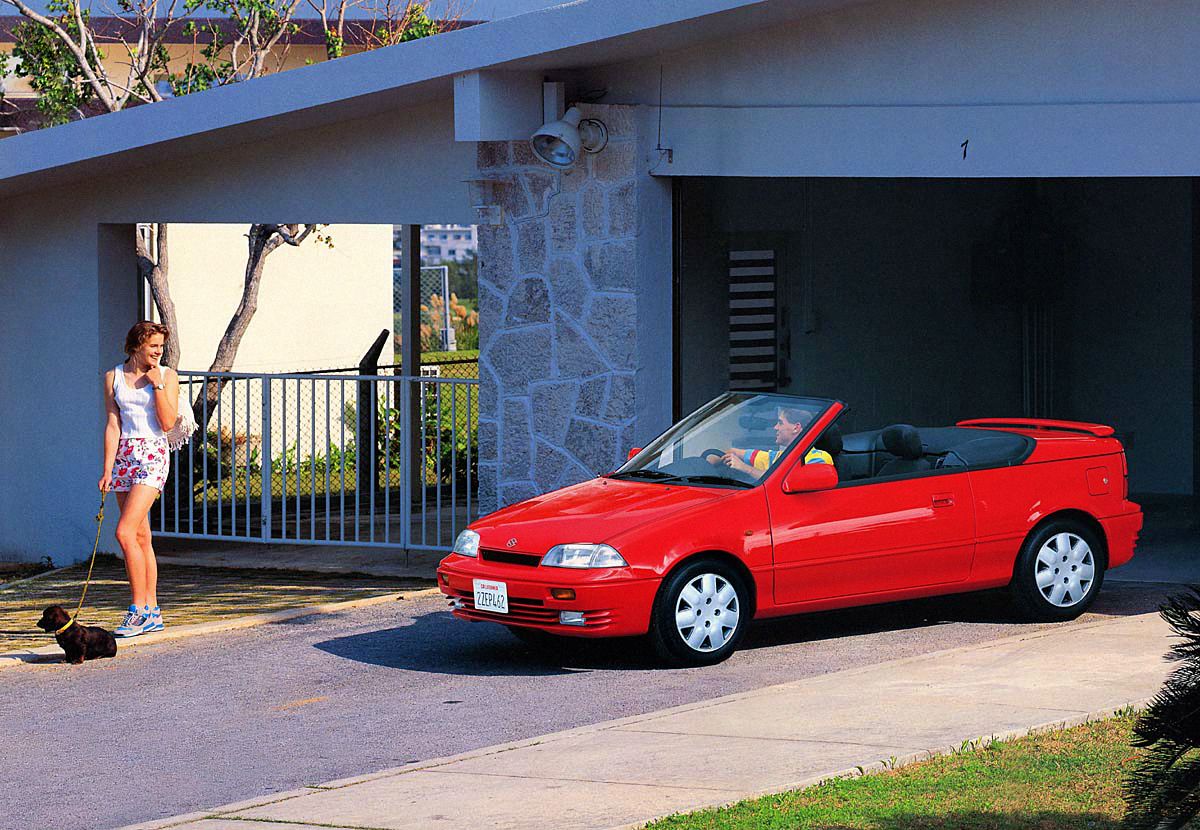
<point>491,596</point>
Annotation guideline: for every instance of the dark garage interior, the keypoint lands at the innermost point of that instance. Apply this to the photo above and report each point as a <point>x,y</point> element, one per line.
<point>928,301</point>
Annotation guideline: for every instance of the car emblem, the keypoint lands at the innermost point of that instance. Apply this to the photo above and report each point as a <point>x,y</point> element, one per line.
<point>512,543</point>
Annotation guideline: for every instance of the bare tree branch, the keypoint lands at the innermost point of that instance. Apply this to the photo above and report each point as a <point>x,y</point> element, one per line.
<point>79,50</point>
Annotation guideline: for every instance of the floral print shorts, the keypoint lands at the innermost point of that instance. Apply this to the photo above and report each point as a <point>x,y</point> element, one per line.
<point>140,461</point>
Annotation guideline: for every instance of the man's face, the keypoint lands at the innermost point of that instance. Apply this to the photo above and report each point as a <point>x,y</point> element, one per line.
<point>785,431</point>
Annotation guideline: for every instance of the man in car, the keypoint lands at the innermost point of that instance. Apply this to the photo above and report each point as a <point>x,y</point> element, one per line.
<point>789,425</point>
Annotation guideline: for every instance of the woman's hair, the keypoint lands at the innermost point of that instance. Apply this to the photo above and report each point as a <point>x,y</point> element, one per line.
<point>143,331</point>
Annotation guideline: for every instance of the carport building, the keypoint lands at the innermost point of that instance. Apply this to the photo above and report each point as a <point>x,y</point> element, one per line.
<point>931,210</point>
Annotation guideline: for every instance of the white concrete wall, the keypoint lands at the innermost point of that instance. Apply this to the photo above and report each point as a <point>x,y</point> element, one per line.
<point>894,88</point>
<point>318,307</point>
<point>66,308</point>
<point>934,52</point>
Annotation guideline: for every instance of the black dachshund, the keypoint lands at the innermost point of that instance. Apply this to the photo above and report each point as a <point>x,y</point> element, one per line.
<point>80,642</point>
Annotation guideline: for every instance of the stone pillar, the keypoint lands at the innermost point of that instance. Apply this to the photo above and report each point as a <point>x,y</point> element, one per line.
<point>558,315</point>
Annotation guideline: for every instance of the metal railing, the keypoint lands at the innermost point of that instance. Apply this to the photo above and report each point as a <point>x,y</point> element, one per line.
<point>319,458</point>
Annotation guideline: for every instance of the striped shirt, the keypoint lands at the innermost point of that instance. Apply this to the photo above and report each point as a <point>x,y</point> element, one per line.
<point>139,418</point>
<point>762,459</point>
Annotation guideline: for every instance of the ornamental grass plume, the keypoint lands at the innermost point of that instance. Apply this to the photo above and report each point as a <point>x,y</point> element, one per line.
<point>1163,791</point>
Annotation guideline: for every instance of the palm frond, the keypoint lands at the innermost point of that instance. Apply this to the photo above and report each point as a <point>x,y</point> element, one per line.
<point>1163,791</point>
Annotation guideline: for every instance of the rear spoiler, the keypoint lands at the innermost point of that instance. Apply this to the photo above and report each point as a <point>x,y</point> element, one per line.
<point>1099,430</point>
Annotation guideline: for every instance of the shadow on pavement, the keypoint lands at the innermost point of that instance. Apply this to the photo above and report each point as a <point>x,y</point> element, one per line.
<point>984,607</point>
<point>437,643</point>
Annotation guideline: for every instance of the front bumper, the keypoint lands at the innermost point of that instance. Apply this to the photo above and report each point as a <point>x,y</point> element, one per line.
<point>615,602</point>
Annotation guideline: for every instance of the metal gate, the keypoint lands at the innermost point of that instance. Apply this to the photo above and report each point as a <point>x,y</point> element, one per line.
<point>320,458</point>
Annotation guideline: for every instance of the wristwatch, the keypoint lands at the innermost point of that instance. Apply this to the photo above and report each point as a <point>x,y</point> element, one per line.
<point>159,386</point>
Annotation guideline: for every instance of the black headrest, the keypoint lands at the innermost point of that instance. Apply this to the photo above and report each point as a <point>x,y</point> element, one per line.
<point>902,440</point>
<point>830,440</point>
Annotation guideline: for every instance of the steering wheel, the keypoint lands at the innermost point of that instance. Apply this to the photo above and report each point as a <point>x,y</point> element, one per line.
<point>708,452</point>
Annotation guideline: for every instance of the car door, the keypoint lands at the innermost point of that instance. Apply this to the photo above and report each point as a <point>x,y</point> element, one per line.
<point>872,537</point>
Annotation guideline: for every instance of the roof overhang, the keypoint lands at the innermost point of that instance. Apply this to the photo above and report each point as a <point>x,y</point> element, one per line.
<point>575,35</point>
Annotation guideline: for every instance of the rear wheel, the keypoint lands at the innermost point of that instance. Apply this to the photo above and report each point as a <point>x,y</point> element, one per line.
<point>1059,571</point>
<point>700,614</point>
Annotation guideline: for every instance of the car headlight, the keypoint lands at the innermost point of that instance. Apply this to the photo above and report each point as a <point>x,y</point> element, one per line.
<point>467,543</point>
<point>583,555</point>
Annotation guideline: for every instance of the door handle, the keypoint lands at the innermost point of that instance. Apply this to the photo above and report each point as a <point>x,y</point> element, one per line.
<point>943,500</point>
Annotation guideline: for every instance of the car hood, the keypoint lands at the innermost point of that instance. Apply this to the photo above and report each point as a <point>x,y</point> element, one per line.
<point>593,511</point>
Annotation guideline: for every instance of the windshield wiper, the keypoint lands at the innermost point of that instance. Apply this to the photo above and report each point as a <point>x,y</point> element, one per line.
<point>654,474</point>
<point>715,480</point>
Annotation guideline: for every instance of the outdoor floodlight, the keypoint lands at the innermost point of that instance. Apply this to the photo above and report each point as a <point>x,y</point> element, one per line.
<point>558,142</point>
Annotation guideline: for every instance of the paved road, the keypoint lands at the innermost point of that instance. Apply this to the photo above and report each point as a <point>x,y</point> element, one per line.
<point>196,723</point>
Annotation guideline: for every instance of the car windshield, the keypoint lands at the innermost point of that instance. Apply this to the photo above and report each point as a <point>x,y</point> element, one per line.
<point>734,440</point>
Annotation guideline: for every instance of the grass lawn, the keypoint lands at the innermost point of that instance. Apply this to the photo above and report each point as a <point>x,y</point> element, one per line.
<point>1056,781</point>
<point>459,356</point>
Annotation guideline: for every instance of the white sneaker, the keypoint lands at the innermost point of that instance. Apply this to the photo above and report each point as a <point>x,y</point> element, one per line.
<point>156,620</point>
<point>135,623</point>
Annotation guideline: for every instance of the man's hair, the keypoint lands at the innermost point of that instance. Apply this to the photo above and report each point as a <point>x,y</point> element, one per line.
<point>795,415</point>
<point>143,331</point>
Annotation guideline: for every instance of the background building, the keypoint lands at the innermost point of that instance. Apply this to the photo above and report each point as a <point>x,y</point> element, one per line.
<point>442,242</point>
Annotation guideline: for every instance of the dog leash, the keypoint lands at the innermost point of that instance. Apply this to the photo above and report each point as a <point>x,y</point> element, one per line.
<point>92,564</point>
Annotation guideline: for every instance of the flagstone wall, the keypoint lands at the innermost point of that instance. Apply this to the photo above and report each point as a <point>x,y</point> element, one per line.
<point>558,308</point>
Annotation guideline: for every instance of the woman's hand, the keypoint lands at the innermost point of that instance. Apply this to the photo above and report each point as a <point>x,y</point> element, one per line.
<point>105,483</point>
<point>154,375</point>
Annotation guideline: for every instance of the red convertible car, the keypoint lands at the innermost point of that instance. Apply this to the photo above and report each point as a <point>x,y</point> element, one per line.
<point>756,505</point>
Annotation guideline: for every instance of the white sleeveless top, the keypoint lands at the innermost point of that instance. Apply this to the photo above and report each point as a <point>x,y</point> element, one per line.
<point>138,416</point>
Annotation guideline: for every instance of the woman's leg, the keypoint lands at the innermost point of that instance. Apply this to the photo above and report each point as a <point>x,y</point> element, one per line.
<point>151,564</point>
<point>135,508</point>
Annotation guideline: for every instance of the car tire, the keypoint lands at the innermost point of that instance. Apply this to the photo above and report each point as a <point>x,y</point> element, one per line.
<point>1050,581</point>
<point>714,593</point>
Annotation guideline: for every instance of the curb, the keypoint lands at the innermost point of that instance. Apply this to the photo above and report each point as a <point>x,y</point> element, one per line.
<point>45,654</point>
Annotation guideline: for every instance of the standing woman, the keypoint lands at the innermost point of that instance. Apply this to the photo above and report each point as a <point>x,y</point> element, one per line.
<point>140,396</point>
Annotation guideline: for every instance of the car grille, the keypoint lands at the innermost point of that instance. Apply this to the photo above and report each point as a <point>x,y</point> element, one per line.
<point>526,611</point>
<point>519,610</point>
<point>531,560</point>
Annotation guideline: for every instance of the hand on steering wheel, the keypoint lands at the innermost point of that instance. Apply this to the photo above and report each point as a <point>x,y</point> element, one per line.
<point>712,456</point>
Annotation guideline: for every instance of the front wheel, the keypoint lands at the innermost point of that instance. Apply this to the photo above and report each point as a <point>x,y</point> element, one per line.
<point>700,614</point>
<point>1059,572</point>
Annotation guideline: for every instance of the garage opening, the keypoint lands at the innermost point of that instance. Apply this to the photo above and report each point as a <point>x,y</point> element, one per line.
<point>927,301</point>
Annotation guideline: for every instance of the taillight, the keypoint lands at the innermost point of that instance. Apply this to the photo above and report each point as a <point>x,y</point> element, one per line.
<point>1124,477</point>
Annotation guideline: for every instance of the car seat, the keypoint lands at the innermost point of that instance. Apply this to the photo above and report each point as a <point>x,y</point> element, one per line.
<point>831,442</point>
<point>904,442</point>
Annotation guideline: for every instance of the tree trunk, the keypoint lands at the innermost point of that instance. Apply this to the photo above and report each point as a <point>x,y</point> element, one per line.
<point>262,240</point>
<point>154,267</point>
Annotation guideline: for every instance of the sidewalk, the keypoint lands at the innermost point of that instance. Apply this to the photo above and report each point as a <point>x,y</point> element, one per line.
<point>187,595</point>
<point>629,771</point>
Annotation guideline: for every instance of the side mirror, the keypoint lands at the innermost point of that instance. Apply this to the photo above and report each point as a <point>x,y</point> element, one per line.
<point>634,451</point>
<point>808,478</point>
